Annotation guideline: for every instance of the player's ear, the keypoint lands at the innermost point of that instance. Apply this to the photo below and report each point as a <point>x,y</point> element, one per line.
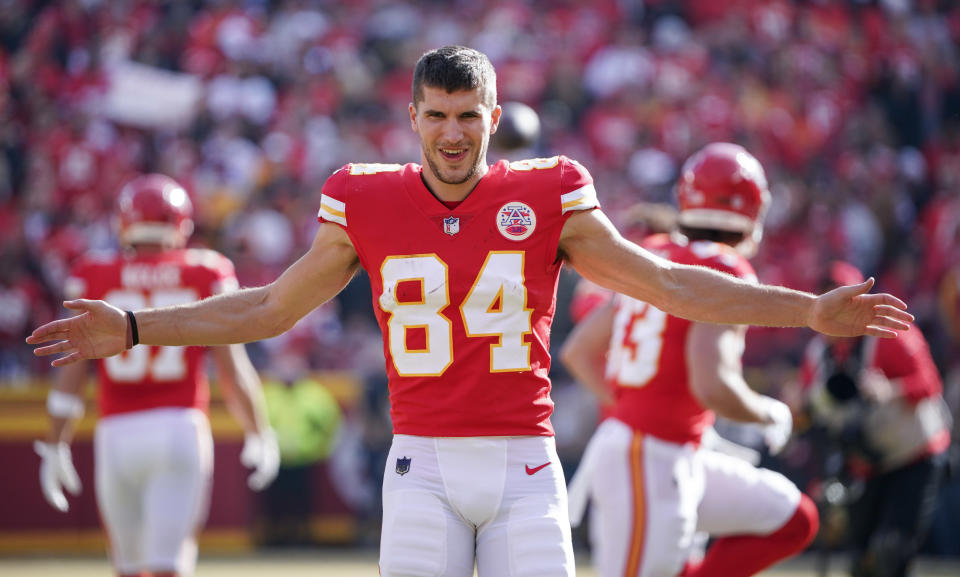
<point>495,118</point>
<point>413,117</point>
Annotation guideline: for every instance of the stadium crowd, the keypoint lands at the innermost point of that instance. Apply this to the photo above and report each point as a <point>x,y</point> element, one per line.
<point>853,108</point>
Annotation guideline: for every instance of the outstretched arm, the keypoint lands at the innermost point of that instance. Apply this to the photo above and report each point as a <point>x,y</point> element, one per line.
<point>100,330</point>
<point>593,246</point>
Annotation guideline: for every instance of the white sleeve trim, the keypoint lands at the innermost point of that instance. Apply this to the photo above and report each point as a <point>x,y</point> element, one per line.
<point>333,210</point>
<point>583,198</point>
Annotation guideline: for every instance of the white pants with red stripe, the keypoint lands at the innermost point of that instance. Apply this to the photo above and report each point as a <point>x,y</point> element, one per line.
<point>498,501</point>
<point>651,497</point>
<point>152,474</point>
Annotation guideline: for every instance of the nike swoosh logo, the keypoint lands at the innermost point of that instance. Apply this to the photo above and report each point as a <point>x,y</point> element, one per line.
<point>532,470</point>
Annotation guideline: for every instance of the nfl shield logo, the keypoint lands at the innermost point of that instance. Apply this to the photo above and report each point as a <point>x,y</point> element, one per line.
<point>403,465</point>
<point>451,225</point>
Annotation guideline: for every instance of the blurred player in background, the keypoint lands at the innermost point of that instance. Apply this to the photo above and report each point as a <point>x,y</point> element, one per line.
<point>880,401</point>
<point>153,449</point>
<point>653,480</point>
<point>638,222</point>
<point>518,131</point>
<point>464,259</point>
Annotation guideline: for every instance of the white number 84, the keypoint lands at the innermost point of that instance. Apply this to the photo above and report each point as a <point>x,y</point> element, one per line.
<point>496,305</point>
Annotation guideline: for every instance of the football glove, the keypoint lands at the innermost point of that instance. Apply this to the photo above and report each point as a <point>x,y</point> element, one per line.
<point>261,453</point>
<point>57,473</point>
<point>777,433</point>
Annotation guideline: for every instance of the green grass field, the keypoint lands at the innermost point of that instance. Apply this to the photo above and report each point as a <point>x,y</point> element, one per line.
<point>325,563</point>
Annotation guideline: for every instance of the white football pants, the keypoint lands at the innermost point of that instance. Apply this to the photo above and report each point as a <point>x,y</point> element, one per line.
<point>651,498</point>
<point>153,471</point>
<point>499,501</point>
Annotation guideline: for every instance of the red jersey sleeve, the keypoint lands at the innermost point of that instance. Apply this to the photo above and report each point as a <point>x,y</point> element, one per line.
<point>907,358</point>
<point>336,190</point>
<point>333,198</point>
<point>576,186</point>
<point>224,274</point>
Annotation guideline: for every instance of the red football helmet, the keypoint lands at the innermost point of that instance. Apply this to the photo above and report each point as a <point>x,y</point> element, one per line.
<point>723,187</point>
<point>155,209</point>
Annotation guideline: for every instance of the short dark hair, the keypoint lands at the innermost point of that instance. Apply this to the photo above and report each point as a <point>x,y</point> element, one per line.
<point>455,68</point>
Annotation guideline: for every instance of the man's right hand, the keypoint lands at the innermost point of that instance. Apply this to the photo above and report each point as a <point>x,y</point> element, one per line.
<point>98,330</point>
<point>57,473</point>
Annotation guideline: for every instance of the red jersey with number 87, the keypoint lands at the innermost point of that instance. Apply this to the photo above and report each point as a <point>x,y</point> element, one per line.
<point>647,359</point>
<point>464,296</point>
<point>147,377</point>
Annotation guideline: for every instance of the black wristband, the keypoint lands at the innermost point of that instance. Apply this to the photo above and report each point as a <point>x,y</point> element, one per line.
<point>134,332</point>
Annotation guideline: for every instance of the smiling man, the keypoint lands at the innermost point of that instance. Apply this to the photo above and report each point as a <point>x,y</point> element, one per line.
<point>463,259</point>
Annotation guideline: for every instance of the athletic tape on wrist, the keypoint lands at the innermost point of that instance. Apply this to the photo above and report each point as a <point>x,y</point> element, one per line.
<point>64,405</point>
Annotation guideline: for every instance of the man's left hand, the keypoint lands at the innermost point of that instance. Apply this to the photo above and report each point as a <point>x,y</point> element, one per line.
<point>850,311</point>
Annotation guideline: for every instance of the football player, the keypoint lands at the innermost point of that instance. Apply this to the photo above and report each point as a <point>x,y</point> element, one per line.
<point>881,402</point>
<point>653,483</point>
<point>153,450</point>
<point>464,258</point>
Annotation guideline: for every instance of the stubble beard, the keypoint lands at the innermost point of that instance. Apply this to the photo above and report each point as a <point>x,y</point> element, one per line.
<point>435,168</point>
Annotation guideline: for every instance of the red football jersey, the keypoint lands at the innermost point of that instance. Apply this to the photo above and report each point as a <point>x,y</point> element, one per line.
<point>647,361</point>
<point>906,359</point>
<point>464,296</point>
<point>147,377</point>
